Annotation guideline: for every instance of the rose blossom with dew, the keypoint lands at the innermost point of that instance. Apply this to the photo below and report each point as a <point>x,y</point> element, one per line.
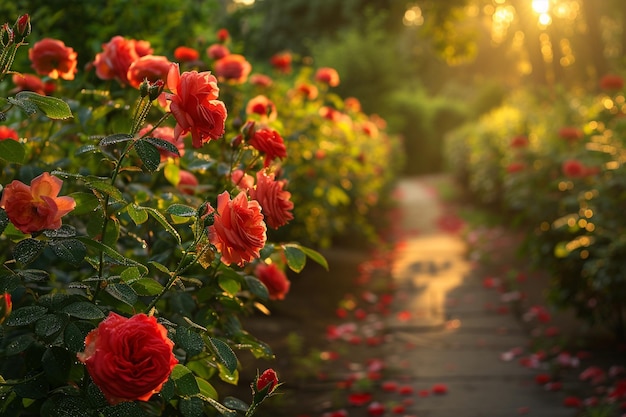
<point>268,142</point>
<point>274,200</point>
<point>274,280</point>
<point>8,133</point>
<point>52,58</point>
<point>150,67</point>
<point>128,358</point>
<point>117,56</point>
<point>194,104</point>
<point>238,231</point>
<point>186,54</point>
<point>233,68</point>
<point>328,76</point>
<point>36,207</point>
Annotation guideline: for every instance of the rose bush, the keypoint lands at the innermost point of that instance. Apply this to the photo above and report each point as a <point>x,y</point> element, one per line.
<point>564,184</point>
<point>129,255</point>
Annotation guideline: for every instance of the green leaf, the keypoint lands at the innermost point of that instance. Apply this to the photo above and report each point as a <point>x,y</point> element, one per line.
<point>115,138</point>
<point>52,107</point>
<point>224,353</point>
<point>4,220</point>
<point>227,376</point>
<point>106,188</point>
<point>33,388</point>
<point>147,287</point>
<point>86,203</point>
<point>184,380</point>
<point>256,287</point>
<point>296,258</point>
<point>236,404</point>
<point>28,250</point>
<point>49,324</point>
<point>26,315</point>
<point>137,213</point>
<point>28,107</point>
<point>231,286</point>
<point>206,389</point>
<point>62,232</point>
<point>56,364</point>
<point>124,409</point>
<point>162,144</point>
<point>83,310</point>
<point>315,256</point>
<point>172,173</point>
<point>191,407</point>
<point>112,253</point>
<point>148,154</point>
<point>12,151</point>
<point>122,292</point>
<point>190,341</point>
<point>163,221</point>
<point>19,344</point>
<point>70,250</point>
<point>34,275</point>
<point>74,338</point>
<point>181,210</point>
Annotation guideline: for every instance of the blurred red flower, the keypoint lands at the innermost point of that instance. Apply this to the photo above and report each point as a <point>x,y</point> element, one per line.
<point>150,67</point>
<point>116,57</point>
<point>274,280</point>
<point>328,76</point>
<point>52,58</point>
<point>186,54</point>
<point>282,62</point>
<point>8,133</point>
<point>234,68</point>
<point>217,51</point>
<point>612,82</point>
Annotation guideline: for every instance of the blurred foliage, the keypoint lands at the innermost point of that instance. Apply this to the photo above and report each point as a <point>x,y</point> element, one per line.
<point>554,165</point>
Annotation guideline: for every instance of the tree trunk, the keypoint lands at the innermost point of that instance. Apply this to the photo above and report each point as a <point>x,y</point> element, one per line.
<point>597,60</point>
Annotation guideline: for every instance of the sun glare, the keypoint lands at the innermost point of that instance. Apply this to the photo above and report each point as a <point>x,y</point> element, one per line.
<point>541,6</point>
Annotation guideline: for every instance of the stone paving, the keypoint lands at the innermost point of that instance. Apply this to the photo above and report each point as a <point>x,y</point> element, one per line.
<point>452,339</point>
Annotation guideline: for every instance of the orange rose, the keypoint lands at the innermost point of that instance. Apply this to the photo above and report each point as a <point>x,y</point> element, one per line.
<point>282,62</point>
<point>274,201</point>
<point>52,58</point>
<point>234,68</point>
<point>238,231</point>
<point>8,133</point>
<point>274,279</point>
<point>128,358</point>
<point>150,67</point>
<point>116,57</point>
<point>327,75</point>
<point>242,180</point>
<point>36,207</point>
<point>194,104</point>
<point>269,142</point>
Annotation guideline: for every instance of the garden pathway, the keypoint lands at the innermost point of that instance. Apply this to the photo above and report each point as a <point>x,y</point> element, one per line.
<point>445,333</point>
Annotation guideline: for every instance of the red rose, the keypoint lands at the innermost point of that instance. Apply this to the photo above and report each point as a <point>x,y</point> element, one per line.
<point>242,180</point>
<point>8,133</point>
<point>234,68</point>
<point>309,91</point>
<point>36,207</point>
<point>282,62</point>
<point>116,57</point>
<point>223,35</point>
<point>269,142</point>
<point>30,82</point>
<point>274,201</point>
<point>352,104</point>
<point>217,51</point>
<point>612,82</point>
<point>128,358</point>
<point>186,54</point>
<point>52,58</point>
<point>268,379</point>
<point>328,76</point>
<point>261,80</point>
<point>150,67</point>
<point>195,106</point>
<point>187,182</point>
<point>263,107</point>
<point>238,231</point>
<point>574,169</point>
<point>274,279</point>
